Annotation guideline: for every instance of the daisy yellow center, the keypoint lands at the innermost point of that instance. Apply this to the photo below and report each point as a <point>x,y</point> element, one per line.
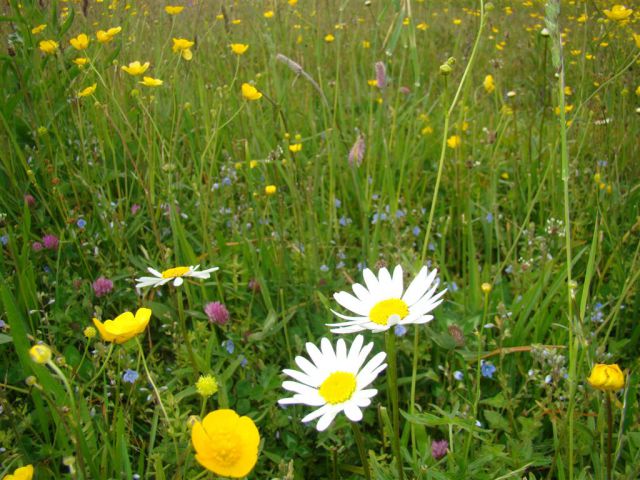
<point>382,311</point>
<point>175,272</point>
<point>338,387</point>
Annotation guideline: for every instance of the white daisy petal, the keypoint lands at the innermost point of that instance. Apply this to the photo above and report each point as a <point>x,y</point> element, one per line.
<point>301,377</point>
<point>353,412</point>
<point>326,420</point>
<point>396,281</point>
<point>384,278</point>
<point>178,281</point>
<point>351,303</point>
<point>317,413</point>
<point>346,317</point>
<point>370,280</point>
<point>361,292</point>
<point>154,272</point>
<point>349,329</point>
<point>327,351</point>
<point>315,354</point>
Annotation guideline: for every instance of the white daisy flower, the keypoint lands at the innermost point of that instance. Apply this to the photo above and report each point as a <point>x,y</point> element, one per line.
<point>176,274</point>
<point>335,381</point>
<point>382,304</point>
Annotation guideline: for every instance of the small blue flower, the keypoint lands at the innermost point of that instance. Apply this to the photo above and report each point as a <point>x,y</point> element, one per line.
<point>487,369</point>
<point>4,239</point>
<point>458,375</point>
<point>337,203</point>
<point>243,362</point>
<point>324,268</point>
<point>2,324</point>
<point>400,330</point>
<point>416,231</point>
<point>130,376</point>
<point>400,214</point>
<point>340,264</point>
<point>489,217</point>
<point>361,266</point>
<point>81,223</point>
<point>229,346</point>
<point>226,181</point>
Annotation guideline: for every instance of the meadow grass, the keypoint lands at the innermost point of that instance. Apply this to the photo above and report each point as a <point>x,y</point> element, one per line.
<point>494,141</point>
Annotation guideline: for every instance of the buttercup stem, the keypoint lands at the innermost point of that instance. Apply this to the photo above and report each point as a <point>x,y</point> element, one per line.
<point>609,433</point>
<point>361,450</point>
<point>392,379</point>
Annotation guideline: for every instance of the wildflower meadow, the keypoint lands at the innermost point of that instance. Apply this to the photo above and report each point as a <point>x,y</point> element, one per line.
<point>319,239</point>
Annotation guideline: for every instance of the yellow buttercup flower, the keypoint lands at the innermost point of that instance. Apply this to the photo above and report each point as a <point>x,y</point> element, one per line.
<point>329,38</point>
<point>295,147</point>
<point>81,61</point>
<point>135,68</point>
<point>124,327</point>
<point>48,46</point>
<point>38,29</point>
<point>268,14</point>
<point>85,92</point>
<point>183,47</point>
<point>40,353</point>
<point>173,10</point>
<point>250,92</point>
<point>105,36</point>
<point>270,189</point>
<point>81,42</point>
<point>226,443</point>
<point>636,39</point>
<point>454,141</point>
<point>238,48</point>
<point>606,377</point>
<point>151,82</point>
<point>488,84</point>
<point>293,2</point>
<point>22,473</point>
<point>618,13</point>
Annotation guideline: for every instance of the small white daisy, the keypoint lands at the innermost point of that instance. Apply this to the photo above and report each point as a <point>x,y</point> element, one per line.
<point>335,381</point>
<point>176,274</point>
<point>382,304</point>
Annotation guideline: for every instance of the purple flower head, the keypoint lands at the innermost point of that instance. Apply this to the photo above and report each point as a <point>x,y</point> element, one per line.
<point>217,313</point>
<point>254,285</point>
<point>134,208</point>
<point>381,75</point>
<point>30,200</point>
<point>36,246</point>
<point>50,242</point>
<point>102,286</point>
<point>439,449</point>
<point>356,154</point>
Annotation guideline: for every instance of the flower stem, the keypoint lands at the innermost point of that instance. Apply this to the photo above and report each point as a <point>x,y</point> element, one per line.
<point>104,364</point>
<point>609,434</point>
<point>361,450</point>
<point>392,380</point>
<point>153,385</point>
<point>183,332</point>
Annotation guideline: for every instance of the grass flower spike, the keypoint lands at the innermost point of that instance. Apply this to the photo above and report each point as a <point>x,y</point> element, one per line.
<point>176,274</point>
<point>382,304</point>
<point>22,473</point>
<point>334,380</point>
<point>124,327</point>
<point>226,443</point>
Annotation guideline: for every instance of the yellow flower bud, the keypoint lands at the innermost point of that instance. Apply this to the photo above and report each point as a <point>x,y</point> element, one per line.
<point>606,377</point>
<point>40,354</point>
<point>486,288</point>
<point>90,332</point>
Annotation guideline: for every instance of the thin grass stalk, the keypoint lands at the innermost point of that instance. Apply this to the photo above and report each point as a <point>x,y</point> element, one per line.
<point>357,433</point>
<point>392,379</point>
<point>434,201</point>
